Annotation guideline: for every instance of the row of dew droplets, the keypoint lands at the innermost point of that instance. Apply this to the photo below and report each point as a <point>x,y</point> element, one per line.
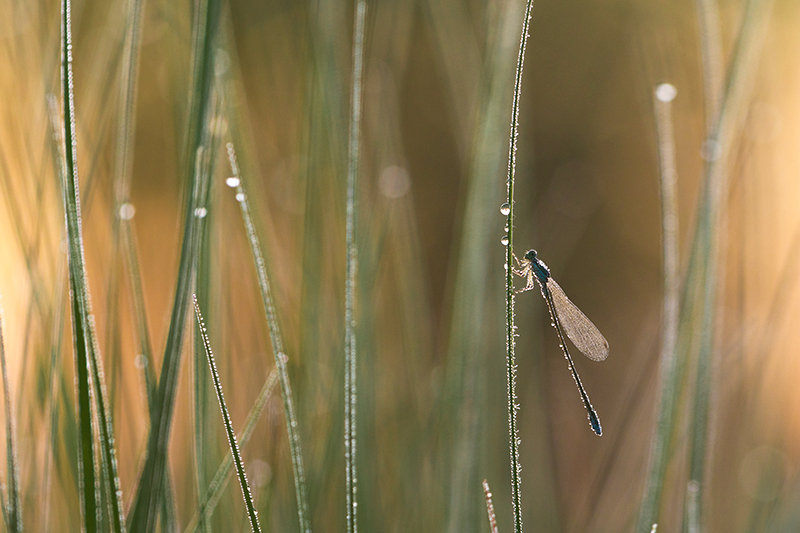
<point>505,209</point>
<point>237,457</point>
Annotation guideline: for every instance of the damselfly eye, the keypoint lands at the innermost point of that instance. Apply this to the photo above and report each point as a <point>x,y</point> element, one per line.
<point>530,255</point>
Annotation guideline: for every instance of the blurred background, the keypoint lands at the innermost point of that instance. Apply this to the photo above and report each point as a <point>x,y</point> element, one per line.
<point>432,404</point>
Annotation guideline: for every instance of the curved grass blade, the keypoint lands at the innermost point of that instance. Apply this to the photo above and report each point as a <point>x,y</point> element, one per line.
<point>209,501</point>
<point>90,374</point>
<point>13,508</point>
<point>152,481</point>
<point>226,417</point>
<point>708,245</point>
<point>350,394</point>
<point>511,360</point>
<point>277,348</point>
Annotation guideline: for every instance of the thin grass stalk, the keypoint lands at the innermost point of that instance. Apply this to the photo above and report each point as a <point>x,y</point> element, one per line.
<point>52,397</point>
<point>711,55</point>
<point>466,387</point>
<point>281,359</point>
<point>350,372</point>
<point>737,88</point>
<point>13,505</point>
<point>203,290</point>
<point>85,339</point>
<point>487,494</point>
<point>511,360</point>
<point>668,376</point>
<point>226,417</point>
<point>211,498</point>
<point>122,178</point>
<point>152,481</point>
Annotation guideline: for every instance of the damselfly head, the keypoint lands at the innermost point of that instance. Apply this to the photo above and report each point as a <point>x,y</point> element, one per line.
<point>530,255</point>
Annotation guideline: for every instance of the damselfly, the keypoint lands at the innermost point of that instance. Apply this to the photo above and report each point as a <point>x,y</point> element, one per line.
<point>566,318</point>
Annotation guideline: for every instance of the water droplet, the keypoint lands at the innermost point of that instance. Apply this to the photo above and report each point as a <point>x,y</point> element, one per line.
<point>394,182</point>
<point>126,211</point>
<point>232,182</point>
<point>140,361</point>
<point>666,92</point>
<point>240,197</point>
<point>504,240</point>
<point>693,486</point>
<point>506,228</point>
<point>200,212</point>
<point>505,209</point>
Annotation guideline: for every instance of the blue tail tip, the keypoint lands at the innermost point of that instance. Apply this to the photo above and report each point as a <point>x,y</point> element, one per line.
<point>595,422</point>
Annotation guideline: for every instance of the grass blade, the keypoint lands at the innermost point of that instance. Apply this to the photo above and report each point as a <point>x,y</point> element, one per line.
<point>350,394</point>
<point>737,88</point>
<point>490,507</point>
<point>152,481</point>
<point>237,458</point>
<point>277,348</point>
<point>220,481</point>
<point>649,510</point>
<point>13,508</point>
<point>90,373</point>
<point>511,362</point>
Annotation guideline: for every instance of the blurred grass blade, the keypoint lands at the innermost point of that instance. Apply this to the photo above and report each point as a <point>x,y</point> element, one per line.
<point>122,179</point>
<point>152,481</point>
<point>210,499</point>
<point>89,369</point>
<point>281,359</point>
<point>511,361</point>
<point>13,506</point>
<point>668,375</point>
<point>466,388</point>
<point>710,222</point>
<point>490,507</point>
<point>711,53</point>
<point>350,364</point>
<point>237,458</point>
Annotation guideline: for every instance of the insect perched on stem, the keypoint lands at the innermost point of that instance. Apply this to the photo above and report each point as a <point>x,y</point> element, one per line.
<point>566,318</point>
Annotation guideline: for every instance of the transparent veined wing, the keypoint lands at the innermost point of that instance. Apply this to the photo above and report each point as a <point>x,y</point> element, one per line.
<point>580,330</point>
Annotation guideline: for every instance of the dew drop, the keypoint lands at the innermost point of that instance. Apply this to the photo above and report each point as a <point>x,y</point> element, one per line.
<point>505,209</point>
<point>126,211</point>
<point>232,182</point>
<point>666,92</point>
<point>504,240</point>
<point>240,197</point>
<point>200,212</point>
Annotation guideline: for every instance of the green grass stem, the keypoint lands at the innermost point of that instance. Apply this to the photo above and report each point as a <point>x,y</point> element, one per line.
<point>281,359</point>
<point>226,417</point>
<point>731,112</point>
<point>152,481</point>
<point>209,500</point>
<point>90,382</point>
<point>11,504</point>
<point>668,375</point>
<point>511,361</point>
<point>350,355</point>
